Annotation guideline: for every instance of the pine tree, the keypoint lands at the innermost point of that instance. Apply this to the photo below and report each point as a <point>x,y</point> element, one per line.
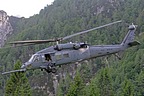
<point>105,83</point>
<point>139,84</point>
<point>127,88</point>
<point>76,87</point>
<point>17,84</point>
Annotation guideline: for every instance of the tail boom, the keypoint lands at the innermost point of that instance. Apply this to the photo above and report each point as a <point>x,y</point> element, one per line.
<point>129,38</point>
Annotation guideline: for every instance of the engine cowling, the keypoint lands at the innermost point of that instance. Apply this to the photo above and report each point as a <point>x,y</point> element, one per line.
<point>75,46</point>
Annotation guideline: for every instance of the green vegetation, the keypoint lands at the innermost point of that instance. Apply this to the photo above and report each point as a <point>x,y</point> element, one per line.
<point>17,84</point>
<point>102,76</point>
<point>76,87</point>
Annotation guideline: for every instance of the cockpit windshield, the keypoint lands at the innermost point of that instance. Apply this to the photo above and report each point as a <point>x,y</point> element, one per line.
<point>34,58</point>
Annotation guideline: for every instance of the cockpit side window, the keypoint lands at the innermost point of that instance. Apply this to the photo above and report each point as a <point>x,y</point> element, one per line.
<point>34,58</point>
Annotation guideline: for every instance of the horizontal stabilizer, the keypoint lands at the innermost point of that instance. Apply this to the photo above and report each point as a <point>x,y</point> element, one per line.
<point>134,43</point>
<point>13,71</point>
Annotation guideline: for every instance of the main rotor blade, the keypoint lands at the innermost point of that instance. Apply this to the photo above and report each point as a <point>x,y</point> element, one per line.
<point>13,71</point>
<point>86,31</point>
<point>34,41</point>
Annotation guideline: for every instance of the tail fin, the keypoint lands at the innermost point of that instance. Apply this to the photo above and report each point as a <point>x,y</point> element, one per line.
<point>129,38</point>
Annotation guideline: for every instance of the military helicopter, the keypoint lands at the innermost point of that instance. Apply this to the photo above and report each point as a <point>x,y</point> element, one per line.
<point>67,53</point>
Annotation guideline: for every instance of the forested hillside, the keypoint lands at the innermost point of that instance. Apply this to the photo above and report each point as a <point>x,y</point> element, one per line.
<point>104,76</point>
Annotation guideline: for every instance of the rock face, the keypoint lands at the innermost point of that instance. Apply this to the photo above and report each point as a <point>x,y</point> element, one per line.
<point>5,27</point>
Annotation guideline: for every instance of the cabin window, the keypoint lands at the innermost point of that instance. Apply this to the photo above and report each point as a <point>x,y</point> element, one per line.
<point>66,55</point>
<point>99,53</point>
<point>58,56</point>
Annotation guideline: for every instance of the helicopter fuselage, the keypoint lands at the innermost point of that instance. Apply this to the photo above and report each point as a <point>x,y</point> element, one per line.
<point>52,57</point>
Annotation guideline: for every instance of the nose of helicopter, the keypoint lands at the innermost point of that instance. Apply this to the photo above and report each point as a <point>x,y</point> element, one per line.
<point>25,65</point>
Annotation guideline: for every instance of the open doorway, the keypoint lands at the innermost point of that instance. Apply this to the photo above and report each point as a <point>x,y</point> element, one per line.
<point>47,57</point>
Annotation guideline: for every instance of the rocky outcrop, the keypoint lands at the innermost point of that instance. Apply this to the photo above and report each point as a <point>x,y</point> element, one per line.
<point>5,27</point>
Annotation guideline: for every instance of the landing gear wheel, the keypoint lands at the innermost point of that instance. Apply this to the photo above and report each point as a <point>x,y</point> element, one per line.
<point>53,70</point>
<point>48,71</point>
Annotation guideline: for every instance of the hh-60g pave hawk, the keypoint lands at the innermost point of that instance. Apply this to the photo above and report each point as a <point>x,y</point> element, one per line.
<point>60,54</point>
